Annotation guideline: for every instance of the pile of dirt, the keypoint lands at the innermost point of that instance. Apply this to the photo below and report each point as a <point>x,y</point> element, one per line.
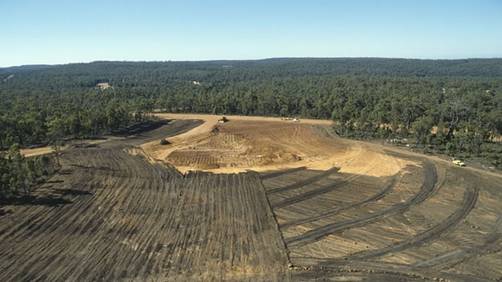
<point>260,144</point>
<point>242,145</point>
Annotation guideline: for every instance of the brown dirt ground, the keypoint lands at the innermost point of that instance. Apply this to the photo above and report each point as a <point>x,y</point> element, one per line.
<point>386,214</point>
<point>262,144</point>
<point>48,149</point>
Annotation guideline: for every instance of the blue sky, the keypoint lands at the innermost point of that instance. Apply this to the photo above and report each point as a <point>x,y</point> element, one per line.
<point>50,31</point>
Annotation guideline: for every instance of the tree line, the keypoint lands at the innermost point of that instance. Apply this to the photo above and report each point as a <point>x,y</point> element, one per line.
<point>18,175</point>
<point>447,106</point>
<point>40,120</point>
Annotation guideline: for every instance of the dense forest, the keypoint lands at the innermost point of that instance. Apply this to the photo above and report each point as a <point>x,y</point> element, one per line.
<point>446,106</point>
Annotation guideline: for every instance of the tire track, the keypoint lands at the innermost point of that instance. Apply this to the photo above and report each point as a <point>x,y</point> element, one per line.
<point>389,188</point>
<point>98,220</point>
<point>304,182</point>
<point>370,166</point>
<point>38,215</point>
<point>469,201</point>
<point>281,173</point>
<point>450,259</point>
<point>427,188</point>
<point>308,195</point>
<point>76,241</point>
<point>53,223</point>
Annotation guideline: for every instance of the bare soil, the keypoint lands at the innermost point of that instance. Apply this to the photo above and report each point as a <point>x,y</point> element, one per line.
<point>314,207</point>
<point>430,220</point>
<point>260,144</point>
<point>129,219</point>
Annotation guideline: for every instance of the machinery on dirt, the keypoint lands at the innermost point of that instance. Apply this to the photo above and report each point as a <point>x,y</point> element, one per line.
<point>223,120</point>
<point>458,163</point>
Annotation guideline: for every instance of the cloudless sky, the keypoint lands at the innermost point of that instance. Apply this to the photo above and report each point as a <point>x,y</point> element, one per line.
<point>59,31</point>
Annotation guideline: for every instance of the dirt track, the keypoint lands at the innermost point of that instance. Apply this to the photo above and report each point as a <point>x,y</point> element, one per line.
<point>323,231</point>
<point>378,214</point>
<point>443,224</point>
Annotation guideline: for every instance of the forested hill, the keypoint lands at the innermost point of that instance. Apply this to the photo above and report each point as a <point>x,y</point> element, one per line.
<point>454,106</point>
<point>257,69</point>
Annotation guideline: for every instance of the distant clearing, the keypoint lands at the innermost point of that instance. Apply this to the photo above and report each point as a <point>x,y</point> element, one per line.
<point>103,85</point>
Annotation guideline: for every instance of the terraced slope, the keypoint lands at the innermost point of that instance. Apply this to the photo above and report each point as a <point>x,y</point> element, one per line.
<point>129,219</point>
<point>430,220</point>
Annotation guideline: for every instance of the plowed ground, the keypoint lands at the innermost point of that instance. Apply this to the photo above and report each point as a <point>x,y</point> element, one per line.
<point>336,210</point>
<point>125,218</point>
<point>428,220</point>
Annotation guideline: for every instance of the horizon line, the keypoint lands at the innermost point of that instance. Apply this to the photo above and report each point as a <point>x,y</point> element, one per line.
<point>247,60</point>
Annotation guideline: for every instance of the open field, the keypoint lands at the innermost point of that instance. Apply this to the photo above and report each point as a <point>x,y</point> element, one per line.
<point>315,206</point>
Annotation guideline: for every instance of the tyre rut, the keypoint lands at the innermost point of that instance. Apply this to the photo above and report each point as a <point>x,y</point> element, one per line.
<point>427,188</point>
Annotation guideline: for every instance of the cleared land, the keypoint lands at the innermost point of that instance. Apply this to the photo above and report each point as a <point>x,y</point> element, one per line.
<point>429,220</point>
<point>256,143</point>
<point>124,218</point>
<point>320,207</point>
